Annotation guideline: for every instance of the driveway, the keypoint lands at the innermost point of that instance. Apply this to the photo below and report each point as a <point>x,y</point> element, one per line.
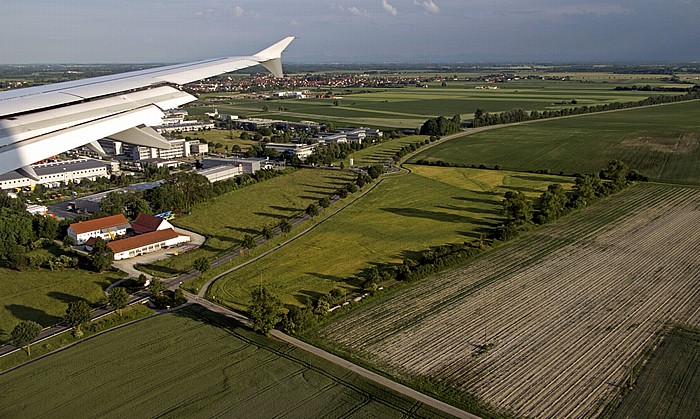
<point>127,265</point>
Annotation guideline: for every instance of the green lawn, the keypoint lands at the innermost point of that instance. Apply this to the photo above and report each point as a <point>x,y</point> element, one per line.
<point>669,385</point>
<point>223,137</point>
<point>430,206</point>
<point>662,142</point>
<point>193,363</point>
<point>43,296</point>
<point>227,218</point>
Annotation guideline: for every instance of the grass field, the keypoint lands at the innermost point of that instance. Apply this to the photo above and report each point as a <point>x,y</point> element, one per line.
<point>194,364</point>
<point>223,137</point>
<point>378,154</point>
<point>409,107</point>
<point>669,384</point>
<point>662,142</point>
<point>226,219</point>
<point>430,206</point>
<point>43,295</point>
<point>548,325</point>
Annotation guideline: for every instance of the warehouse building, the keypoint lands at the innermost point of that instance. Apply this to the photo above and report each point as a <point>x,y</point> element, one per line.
<point>108,228</point>
<point>146,243</point>
<point>56,173</point>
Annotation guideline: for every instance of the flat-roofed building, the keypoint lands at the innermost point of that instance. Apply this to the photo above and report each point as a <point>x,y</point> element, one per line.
<point>108,228</point>
<point>249,165</point>
<point>302,151</point>
<point>218,173</point>
<point>56,173</point>
<point>146,243</point>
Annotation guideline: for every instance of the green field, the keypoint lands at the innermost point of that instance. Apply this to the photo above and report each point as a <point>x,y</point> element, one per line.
<point>43,296</point>
<point>223,137</point>
<point>409,107</point>
<point>662,142</point>
<point>226,219</point>
<point>378,154</point>
<point>669,384</point>
<point>411,212</point>
<point>196,364</point>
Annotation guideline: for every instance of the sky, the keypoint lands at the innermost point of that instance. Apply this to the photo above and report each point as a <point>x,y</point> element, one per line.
<point>377,31</point>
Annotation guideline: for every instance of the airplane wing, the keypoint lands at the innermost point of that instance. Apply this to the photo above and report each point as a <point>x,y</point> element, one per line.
<point>42,121</point>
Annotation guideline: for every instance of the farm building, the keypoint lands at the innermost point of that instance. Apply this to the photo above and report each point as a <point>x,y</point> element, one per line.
<point>145,223</point>
<point>146,243</point>
<point>108,228</point>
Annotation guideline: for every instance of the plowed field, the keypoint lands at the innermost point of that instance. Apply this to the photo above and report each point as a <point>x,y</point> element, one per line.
<point>547,326</point>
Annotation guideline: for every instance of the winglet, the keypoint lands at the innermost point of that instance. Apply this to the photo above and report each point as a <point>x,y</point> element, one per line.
<point>270,57</point>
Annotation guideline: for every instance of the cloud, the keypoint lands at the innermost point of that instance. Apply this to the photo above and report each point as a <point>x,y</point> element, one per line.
<point>357,11</point>
<point>389,8</point>
<point>428,5</point>
<point>238,11</point>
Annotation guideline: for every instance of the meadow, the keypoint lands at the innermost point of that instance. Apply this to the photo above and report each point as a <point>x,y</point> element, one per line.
<point>669,383</point>
<point>548,325</point>
<point>193,363</point>
<point>662,142</point>
<point>403,214</point>
<point>226,219</point>
<point>42,295</point>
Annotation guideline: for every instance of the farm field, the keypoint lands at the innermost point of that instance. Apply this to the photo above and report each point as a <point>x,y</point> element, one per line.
<point>410,106</point>
<point>226,219</point>
<point>404,213</point>
<point>662,142</point>
<point>42,295</point>
<point>378,154</point>
<point>549,325</point>
<point>669,385</point>
<point>196,364</point>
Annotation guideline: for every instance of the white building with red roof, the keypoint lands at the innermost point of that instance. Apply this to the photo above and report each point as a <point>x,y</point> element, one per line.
<point>108,228</point>
<point>146,243</point>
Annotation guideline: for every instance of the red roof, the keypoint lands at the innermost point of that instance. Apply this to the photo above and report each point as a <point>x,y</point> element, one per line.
<point>145,223</point>
<point>100,224</point>
<point>142,240</point>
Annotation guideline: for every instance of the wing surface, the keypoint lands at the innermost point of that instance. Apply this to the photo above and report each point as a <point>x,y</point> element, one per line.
<point>42,121</point>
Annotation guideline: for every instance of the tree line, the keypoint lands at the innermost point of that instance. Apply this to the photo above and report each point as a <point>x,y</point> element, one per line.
<point>483,118</point>
<point>441,126</point>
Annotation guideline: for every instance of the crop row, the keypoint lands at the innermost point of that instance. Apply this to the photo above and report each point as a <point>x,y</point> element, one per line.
<point>547,326</point>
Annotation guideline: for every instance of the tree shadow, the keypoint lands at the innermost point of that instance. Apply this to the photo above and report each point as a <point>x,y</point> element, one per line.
<point>304,295</point>
<point>433,215</point>
<point>537,178</point>
<point>63,297</point>
<point>327,277</point>
<point>162,271</point>
<point>320,186</point>
<point>287,209</point>
<point>243,230</point>
<point>267,214</point>
<point>30,313</point>
<point>472,210</point>
<point>521,189</point>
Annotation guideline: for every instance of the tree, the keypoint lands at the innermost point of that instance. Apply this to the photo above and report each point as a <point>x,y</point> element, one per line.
<point>118,299</point>
<point>615,171</point>
<point>285,226</point>
<point>101,257</point>
<point>157,287</point>
<point>312,210</point>
<point>517,208</point>
<point>552,204</point>
<point>202,264</point>
<point>267,232</point>
<point>264,310</point>
<point>298,319</point>
<point>324,202</point>
<point>375,171</point>
<point>24,333</point>
<point>249,241</point>
<point>77,314</point>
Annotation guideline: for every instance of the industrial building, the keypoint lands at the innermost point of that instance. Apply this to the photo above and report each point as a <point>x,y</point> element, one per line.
<point>146,243</point>
<point>218,173</point>
<point>179,148</point>
<point>302,151</point>
<point>108,228</point>
<point>63,172</point>
<point>249,165</point>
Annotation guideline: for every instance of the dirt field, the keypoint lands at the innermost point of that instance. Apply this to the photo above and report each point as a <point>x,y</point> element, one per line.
<point>547,326</point>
